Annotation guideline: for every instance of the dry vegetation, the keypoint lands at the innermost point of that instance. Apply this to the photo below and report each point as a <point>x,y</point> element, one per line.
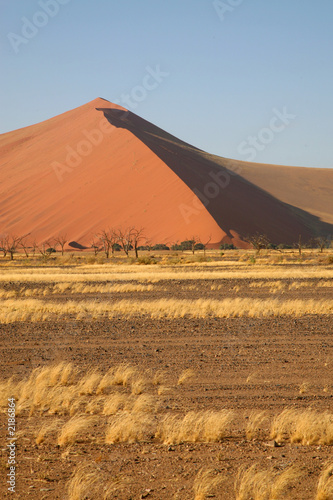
<point>206,483</point>
<point>257,484</point>
<point>61,390</point>
<point>89,481</point>
<point>307,427</point>
<point>62,406</point>
<point>36,310</point>
<point>71,405</point>
<point>325,483</point>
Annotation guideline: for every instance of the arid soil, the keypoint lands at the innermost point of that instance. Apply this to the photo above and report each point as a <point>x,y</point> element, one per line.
<point>242,364</point>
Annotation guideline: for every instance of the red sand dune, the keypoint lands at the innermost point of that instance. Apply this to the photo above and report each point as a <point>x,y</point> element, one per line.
<point>101,166</point>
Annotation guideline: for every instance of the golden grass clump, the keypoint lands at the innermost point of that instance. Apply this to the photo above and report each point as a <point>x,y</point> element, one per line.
<point>89,383</point>
<point>114,403</point>
<point>95,405</point>
<point>185,376</point>
<point>206,483</point>
<point>84,288</point>
<point>304,387</point>
<point>38,310</point>
<point>89,481</point>
<point>130,428</point>
<point>256,484</point>
<point>123,374</point>
<point>8,389</point>
<point>159,377</point>
<point>325,284</point>
<point>74,429</point>
<point>325,483</point>
<point>139,385</point>
<point>254,425</point>
<point>303,426</point>
<point>106,382</point>
<point>45,388</point>
<point>204,427</point>
<point>86,274</point>
<point>145,404</point>
<point>48,430</point>
<point>163,389</point>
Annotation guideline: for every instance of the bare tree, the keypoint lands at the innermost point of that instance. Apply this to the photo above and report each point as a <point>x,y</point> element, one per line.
<point>24,245</point>
<point>299,245</point>
<point>148,243</point>
<point>258,241</point>
<point>322,243</point>
<point>45,249</point>
<point>124,236</point>
<point>3,245</point>
<point>193,242</point>
<point>13,243</point>
<point>61,240</point>
<point>109,239</point>
<point>33,247</point>
<point>136,236</point>
<point>96,246</point>
<point>206,243</point>
<point>25,248</point>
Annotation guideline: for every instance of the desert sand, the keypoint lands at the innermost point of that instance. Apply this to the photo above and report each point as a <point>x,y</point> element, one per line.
<point>101,166</point>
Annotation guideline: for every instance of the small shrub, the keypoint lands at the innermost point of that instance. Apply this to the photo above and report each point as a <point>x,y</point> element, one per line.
<point>227,246</point>
<point>146,260</point>
<point>160,246</point>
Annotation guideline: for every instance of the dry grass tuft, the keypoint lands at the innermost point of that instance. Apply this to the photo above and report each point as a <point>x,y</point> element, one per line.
<point>304,387</point>
<point>145,404</point>
<point>8,389</point>
<point>254,425</point>
<point>303,426</point>
<point>47,388</point>
<point>114,403</point>
<point>74,428</point>
<point>123,374</point>
<point>255,484</point>
<point>89,481</point>
<point>89,383</point>
<point>185,376</point>
<point>159,377</point>
<point>252,377</point>
<point>139,385</point>
<point>205,483</point>
<point>47,431</point>
<point>163,390</point>
<point>95,405</point>
<point>106,382</point>
<point>130,428</point>
<point>204,427</point>
<point>325,483</point>
<point>38,310</point>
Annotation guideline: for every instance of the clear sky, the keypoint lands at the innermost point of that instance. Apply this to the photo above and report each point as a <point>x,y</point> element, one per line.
<point>244,79</point>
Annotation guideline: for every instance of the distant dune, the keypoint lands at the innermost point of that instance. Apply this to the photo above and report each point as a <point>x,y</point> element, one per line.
<point>101,166</point>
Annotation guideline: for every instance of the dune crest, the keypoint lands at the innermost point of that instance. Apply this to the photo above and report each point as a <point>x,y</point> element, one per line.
<point>100,166</point>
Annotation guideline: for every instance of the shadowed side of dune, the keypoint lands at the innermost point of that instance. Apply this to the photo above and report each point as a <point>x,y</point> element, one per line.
<point>238,206</point>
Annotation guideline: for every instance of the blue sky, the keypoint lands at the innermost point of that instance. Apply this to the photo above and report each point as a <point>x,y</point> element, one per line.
<point>227,69</point>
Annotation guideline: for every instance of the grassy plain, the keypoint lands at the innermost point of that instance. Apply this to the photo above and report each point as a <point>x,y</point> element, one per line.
<point>193,377</point>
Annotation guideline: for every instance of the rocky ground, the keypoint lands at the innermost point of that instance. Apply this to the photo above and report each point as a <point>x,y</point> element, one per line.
<point>242,364</point>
